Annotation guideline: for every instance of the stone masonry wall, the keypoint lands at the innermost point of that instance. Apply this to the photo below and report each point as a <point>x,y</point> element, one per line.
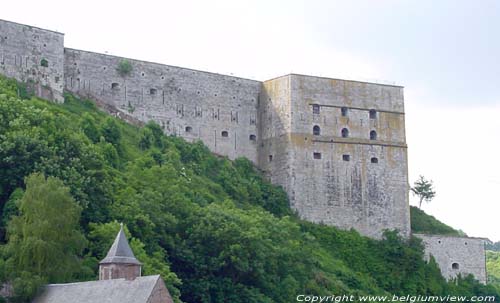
<point>22,50</point>
<point>357,181</point>
<point>274,148</point>
<point>219,110</point>
<point>457,255</point>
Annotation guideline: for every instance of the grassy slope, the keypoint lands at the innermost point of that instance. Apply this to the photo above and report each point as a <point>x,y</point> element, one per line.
<point>427,224</point>
<point>203,216</point>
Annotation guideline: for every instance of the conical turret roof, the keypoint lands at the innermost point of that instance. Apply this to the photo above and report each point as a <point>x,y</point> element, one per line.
<point>120,251</point>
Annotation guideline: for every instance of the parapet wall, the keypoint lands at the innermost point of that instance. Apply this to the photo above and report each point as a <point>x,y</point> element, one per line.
<point>219,110</point>
<point>34,56</point>
<point>457,255</point>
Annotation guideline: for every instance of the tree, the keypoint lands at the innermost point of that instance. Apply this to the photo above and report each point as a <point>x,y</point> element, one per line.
<point>89,127</point>
<point>44,239</point>
<point>424,190</point>
<point>111,131</point>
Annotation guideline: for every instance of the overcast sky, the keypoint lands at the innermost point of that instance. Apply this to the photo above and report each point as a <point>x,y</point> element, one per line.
<point>445,53</point>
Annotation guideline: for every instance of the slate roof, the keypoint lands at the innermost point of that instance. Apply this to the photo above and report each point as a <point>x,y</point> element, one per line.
<point>104,291</point>
<point>120,251</point>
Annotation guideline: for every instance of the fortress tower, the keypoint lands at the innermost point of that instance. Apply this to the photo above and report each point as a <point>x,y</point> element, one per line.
<point>338,148</point>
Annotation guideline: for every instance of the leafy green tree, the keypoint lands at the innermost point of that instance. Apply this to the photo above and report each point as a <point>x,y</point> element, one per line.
<point>45,239</point>
<point>10,209</point>
<point>89,127</point>
<point>493,267</point>
<point>111,131</point>
<point>424,190</point>
<point>147,139</point>
<point>157,133</point>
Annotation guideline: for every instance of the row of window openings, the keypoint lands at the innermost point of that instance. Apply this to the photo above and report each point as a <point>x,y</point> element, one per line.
<point>347,158</point>
<point>44,62</point>
<point>115,86</point>
<point>344,111</point>
<point>154,91</point>
<point>439,241</point>
<point>34,38</point>
<point>344,132</point>
<point>224,133</point>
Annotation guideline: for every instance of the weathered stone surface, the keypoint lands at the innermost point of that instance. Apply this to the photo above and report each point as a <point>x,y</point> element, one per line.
<point>457,255</point>
<point>22,50</point>
<point>219,110</point>
<point>322,185</point>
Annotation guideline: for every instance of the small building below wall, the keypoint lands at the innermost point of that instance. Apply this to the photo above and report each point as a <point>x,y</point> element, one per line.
<point>457,255</point>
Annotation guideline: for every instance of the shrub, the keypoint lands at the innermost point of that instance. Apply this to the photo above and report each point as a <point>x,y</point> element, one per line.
<point>124,67</point>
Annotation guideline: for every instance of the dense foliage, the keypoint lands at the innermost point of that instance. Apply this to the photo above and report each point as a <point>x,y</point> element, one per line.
<point>493,267</point>
<point>213,228</point>
<point>37,249</point>
<point>427,224</point>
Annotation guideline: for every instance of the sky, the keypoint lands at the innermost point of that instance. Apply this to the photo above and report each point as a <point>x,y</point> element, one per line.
<point>445,53</point>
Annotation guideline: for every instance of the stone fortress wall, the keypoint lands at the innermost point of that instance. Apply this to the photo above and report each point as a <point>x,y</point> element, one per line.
<point>34,56</point>
<point>457,255</point>
<point>337,147</point>
<point>219,110</point>
<point>348,178</point>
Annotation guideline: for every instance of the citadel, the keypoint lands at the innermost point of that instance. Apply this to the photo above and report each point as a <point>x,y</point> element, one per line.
<point>337,147</point>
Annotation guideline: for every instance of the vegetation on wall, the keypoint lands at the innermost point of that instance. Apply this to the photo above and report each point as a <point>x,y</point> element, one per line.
<point>214,229</point>
<point>124,67</point>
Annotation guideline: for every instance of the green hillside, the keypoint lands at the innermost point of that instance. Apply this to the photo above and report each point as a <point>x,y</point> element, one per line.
<point>493,266</point>
<point>427,224</point>
<point>214,229</point>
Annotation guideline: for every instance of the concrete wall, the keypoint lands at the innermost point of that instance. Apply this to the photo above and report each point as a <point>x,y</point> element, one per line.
<point>193,104</point>
<point>369,197</point>
<point>22,49</point>
<point>468,255</point>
